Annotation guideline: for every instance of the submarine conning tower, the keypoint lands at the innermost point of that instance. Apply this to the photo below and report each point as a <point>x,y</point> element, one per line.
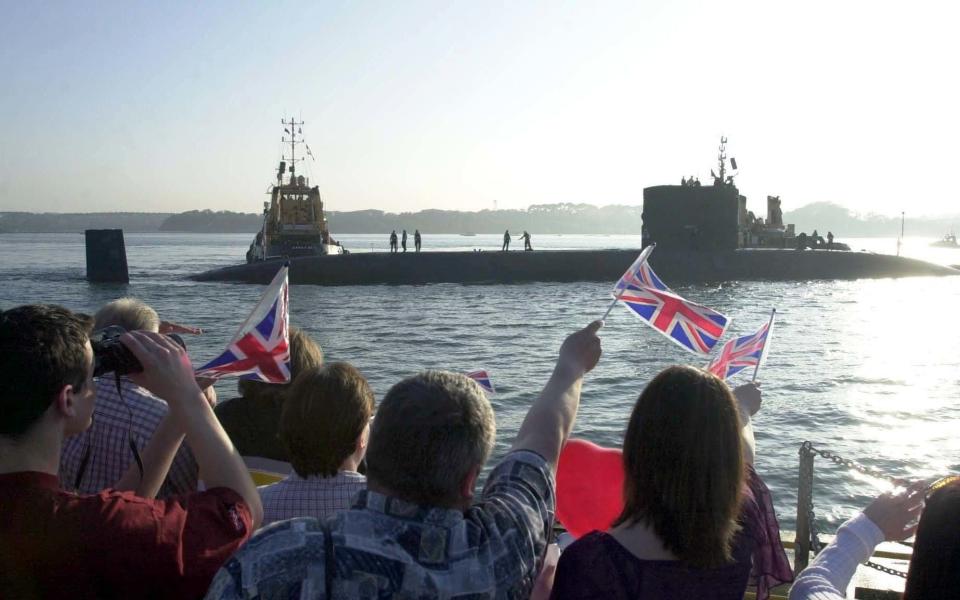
<point>692,217</point>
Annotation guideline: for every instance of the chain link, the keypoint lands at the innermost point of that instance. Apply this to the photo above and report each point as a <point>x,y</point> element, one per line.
<point>815,544</point>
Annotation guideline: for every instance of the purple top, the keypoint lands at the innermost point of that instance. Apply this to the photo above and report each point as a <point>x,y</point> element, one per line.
<point>597,566</point>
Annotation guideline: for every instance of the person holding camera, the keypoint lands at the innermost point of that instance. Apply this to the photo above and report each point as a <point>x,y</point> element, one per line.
<point>125,417</point>
<point>116,544</point>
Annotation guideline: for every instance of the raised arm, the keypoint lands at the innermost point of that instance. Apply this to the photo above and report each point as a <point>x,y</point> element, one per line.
<point>160,452</point>
<point>168,374</point>
<point>749,399</point>
<point>550,419</point>
<point>888,518</point>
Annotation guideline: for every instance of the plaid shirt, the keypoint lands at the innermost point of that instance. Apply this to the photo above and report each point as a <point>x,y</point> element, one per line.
<point>110,453</point>
<point>385,547</point>
<point>318,497</point>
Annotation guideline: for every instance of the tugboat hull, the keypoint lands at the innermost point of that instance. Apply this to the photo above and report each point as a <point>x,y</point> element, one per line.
<point>576,265</point>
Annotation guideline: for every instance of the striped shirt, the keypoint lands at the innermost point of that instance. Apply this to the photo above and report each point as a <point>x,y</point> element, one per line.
<point>139,412</point>
<point>314,496</point>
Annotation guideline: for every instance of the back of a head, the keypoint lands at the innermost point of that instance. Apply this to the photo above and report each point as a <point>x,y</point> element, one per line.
<point>935,565</point>
<point>325,412</point>
<point>431,430</point>
<point>42,349</point>
<point>304,354</point>
<point>129,313</point>
<point>684,466</point>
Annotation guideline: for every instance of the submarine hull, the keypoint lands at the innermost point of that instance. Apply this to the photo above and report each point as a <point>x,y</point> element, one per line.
<point>576,265</point>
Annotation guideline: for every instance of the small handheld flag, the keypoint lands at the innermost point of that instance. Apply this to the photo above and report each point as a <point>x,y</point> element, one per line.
<point>694,327</point>
<point>742,352</point>
<point>261,348</point>
<point>483,379</point>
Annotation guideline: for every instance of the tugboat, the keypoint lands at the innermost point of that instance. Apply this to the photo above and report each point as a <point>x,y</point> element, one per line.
<point>293,220</point>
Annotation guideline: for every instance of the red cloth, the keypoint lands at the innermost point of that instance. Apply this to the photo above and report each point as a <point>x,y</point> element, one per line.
<point>113,544</point>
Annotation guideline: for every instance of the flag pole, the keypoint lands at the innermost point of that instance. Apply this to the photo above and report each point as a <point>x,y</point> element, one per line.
<point>609,308</point>
<point>773,313</point>
<point>616,298</point>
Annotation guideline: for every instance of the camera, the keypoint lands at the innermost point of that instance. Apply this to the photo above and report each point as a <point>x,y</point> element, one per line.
<point>111,356</point>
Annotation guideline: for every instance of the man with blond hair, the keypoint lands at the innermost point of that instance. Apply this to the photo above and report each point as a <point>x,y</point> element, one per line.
<point>125,417</point>
<point>418,531</point>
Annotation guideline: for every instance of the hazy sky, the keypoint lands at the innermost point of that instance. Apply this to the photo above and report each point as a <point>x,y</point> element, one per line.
<point>460,105</point>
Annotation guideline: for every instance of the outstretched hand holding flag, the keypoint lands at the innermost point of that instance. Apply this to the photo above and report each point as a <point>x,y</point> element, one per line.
<point>742,352</point>
<point>261,348</point>
<point>692,326</point>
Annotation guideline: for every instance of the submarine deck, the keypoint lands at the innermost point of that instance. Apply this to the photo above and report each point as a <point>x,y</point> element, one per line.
<point>577,265</point>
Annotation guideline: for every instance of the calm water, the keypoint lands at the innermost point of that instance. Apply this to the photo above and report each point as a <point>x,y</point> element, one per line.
<point>862,367</point>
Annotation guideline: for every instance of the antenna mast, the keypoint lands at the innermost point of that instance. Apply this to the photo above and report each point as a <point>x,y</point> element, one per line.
<point>722,158</point>
<point>292,127</point>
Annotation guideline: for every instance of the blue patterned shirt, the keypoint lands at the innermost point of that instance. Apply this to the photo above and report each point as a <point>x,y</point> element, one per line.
<point>384,547</point>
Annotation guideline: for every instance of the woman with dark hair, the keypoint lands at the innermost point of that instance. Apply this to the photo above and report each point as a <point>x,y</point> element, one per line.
<point>935,566</point>
<point>253,420</point>
<point>696,517</point>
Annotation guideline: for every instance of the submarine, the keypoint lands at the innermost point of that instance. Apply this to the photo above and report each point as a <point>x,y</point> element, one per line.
<point>703,233</point>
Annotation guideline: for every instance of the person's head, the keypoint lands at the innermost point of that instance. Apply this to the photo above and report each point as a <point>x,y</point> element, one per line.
<point>326,419</point>
<point>432,435</point>
<point>304,354</point>
<point>129,313</point>
<point>684,467</point>
<point>46,368</point>
<point>935,566</point>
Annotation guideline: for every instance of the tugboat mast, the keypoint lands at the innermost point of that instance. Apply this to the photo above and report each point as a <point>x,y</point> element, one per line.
<point>292,127</point>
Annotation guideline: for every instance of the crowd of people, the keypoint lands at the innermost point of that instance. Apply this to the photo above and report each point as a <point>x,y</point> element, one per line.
<point>138,484</point>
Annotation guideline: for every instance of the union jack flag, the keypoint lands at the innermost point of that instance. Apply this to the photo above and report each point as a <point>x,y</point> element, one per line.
<point>482,378</point>
<point>690,325</point>
<point>740,353</point>
<point>261,348</point>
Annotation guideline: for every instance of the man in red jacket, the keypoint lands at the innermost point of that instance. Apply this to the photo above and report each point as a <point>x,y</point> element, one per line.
<point>121,542</point>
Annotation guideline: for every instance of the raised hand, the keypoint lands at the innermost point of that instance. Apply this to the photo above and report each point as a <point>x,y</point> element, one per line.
<point>581,351</point>
<point>167,371</point>
<point>169,327</point>
<point>896,514</point>
<point>749,397</point>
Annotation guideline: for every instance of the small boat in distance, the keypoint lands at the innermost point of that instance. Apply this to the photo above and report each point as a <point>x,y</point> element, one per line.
<point>948,241</point>
<point>293,220</point>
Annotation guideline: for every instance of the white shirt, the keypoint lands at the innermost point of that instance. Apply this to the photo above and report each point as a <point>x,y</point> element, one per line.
<point>829,575</point>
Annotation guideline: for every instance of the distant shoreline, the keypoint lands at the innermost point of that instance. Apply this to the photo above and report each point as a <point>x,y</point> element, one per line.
<point>574,219</point>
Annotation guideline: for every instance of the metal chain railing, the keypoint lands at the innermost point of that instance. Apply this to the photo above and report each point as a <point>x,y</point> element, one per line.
<point>808,451</point>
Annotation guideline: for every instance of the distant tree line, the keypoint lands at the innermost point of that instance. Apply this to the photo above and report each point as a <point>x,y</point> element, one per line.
<point>208,221</point>
<point>827,216</point>
<point>24,222</point>
<point>538,219</point>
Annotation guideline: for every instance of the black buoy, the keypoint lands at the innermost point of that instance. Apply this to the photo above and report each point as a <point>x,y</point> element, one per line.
<point>106,256</point>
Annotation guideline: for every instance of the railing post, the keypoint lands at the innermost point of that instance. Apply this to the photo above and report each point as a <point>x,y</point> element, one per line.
<point>801,549</point>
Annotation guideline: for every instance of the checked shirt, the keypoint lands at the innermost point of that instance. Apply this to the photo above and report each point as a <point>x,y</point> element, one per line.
<point>317,497</point>
<point>109,448</point>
